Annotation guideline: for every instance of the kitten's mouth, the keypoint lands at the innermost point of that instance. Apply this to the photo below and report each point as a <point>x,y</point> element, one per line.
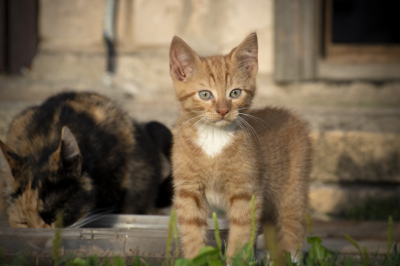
<point>222,123</point>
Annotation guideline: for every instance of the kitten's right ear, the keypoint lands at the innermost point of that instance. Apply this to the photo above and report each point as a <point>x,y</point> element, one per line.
<point>182,59</point>
<point>7,162</point>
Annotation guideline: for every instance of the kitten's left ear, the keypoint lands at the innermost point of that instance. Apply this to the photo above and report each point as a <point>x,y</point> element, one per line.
<point>246,55</point>
<point>182,59</point>
<point>68,153</point>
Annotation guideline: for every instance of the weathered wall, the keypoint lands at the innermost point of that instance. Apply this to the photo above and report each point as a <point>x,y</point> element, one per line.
<point>73,25</point>
<point>208,26</point>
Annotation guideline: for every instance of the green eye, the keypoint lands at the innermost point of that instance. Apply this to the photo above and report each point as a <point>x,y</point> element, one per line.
<point>205,95</point>
<point>235,93</point>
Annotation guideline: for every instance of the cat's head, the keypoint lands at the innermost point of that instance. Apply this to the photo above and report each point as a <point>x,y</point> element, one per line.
<point>37,188</point>
<point>215,88</point>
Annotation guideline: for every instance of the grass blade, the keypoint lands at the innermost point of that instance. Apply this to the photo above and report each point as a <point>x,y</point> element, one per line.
<point>57,238</point>
<point>365,257</point>
<point>271,244</point>
<point>169,240</point>
<point>216,232</point>
<point>253,227</point>
<point>118,261</point>
<point>309,224</point>
<point>363,253</point>
<point>390,233</point>
<point>354,243</point>
<point>175,227</point>
<point>136,261</point>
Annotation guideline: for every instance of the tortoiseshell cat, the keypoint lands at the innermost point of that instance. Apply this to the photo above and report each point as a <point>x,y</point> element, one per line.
<point>224,152</point>
<point>79,153</point>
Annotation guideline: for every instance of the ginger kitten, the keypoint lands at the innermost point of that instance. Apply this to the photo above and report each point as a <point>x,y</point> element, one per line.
<point>224,152</point>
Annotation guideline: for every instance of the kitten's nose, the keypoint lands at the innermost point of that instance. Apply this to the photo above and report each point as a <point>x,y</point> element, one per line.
<point>223,112</point>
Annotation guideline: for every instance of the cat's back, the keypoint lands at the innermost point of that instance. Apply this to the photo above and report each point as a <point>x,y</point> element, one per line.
<point>97,123</point>
<point>272,121</point>
<point>283,135</point>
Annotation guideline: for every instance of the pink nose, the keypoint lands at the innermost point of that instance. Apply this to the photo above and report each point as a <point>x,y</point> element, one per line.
<point>222,112</point>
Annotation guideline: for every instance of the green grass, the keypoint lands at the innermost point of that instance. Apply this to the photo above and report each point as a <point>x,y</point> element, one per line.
<point>213,256</point>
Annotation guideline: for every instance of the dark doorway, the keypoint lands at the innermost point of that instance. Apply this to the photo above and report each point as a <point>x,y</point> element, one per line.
<point>366,21</point>
<point>18,34</point>
<point>361,31</point>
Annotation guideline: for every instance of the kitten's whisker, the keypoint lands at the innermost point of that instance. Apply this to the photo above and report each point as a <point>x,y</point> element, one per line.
<point>188,121</point>
<point>92,216</point>
<point>244,108</point>
<point>241,127</point>
<point>192,111</point>
<point>191,128</point>
<point>244,129</point>
<point>252,129</point>
<point>205,139</point>
<point>87,220</point>
<point>256,108</point>
<point>248,131</point>
<point>259,120</point>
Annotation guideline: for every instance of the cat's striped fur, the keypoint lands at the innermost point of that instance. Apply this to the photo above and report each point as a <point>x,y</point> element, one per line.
<point>79,153</point>
<point>224,152</point>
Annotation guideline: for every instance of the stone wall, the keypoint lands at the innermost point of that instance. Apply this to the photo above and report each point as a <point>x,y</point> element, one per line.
<point>208,26</point>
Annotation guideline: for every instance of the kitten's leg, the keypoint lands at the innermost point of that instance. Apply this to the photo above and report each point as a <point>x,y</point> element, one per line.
<point>191,210</point>
<point>239,217</point>
<point>291,223</point>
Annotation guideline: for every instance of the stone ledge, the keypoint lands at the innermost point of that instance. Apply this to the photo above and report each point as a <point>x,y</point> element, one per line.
<point>335,199</point>
<point>355,156</point>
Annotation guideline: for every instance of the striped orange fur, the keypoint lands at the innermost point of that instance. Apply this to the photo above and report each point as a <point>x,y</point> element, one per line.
<point>224,152</point>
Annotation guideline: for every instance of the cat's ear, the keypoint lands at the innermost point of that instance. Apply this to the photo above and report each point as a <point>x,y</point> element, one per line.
<point>182,59</point>
<point>8,160</point>
<point>246,55</point>
<point>68,153</point>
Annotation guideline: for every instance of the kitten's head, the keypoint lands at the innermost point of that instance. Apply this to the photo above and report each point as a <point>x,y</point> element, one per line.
<point>38,187</point>
<point>214,88</point>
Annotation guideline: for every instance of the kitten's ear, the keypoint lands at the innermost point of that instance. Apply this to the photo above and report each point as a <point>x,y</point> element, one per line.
<point>8,160</point>
<point>69,146</point>
<point>68,153</point>
<point>182,59</point>
<point>246,55</point>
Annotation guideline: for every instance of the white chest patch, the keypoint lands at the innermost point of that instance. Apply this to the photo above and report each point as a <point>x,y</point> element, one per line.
<point>213,139</point>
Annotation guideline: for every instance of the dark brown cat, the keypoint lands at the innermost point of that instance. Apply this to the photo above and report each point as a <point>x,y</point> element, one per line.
<point>80,154</point>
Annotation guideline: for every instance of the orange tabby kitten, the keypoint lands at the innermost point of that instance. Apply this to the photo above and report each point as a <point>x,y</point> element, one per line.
<point>224,152</point>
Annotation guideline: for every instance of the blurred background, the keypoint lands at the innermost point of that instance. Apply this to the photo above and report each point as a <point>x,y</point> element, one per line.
<point>334,62</point>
